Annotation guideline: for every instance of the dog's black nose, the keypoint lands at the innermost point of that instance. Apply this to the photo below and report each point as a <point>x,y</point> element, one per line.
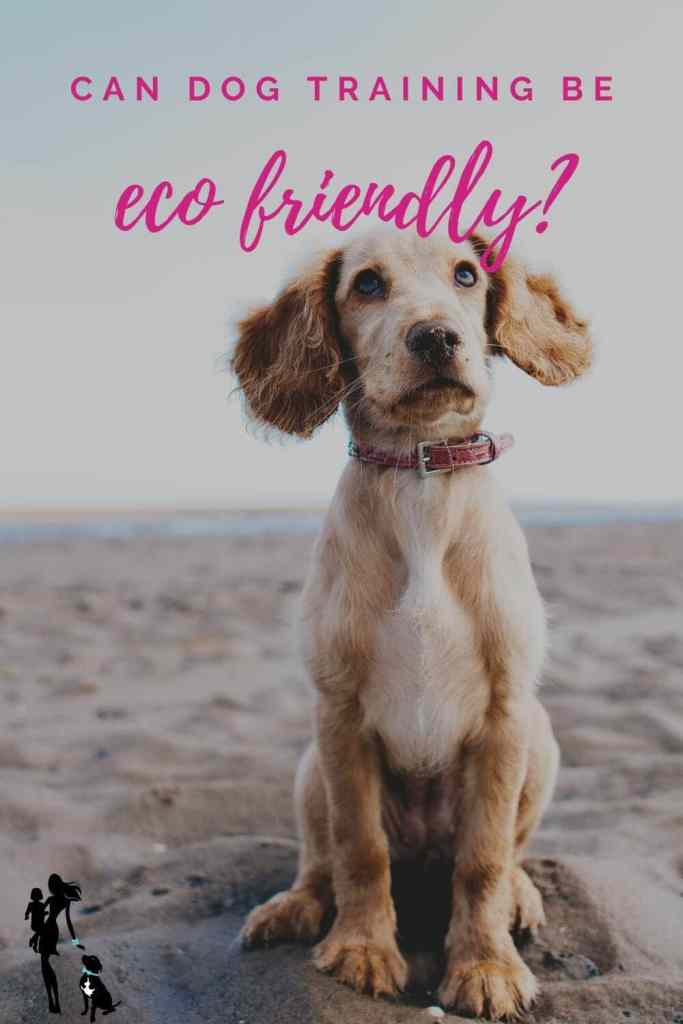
<point>431,342</point>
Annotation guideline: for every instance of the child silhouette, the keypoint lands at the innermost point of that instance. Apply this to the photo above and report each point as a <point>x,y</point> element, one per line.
<point>36,909</point>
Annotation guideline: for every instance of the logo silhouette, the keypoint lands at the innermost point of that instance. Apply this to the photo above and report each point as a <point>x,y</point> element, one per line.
<point>95,993</point>
<point>46,929</point>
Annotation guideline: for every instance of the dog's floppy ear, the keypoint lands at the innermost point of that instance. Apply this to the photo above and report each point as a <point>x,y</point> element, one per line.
<point>288,359</point>
<point>535,327</point>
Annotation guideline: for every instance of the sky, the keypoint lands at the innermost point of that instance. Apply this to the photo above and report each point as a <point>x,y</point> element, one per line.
<point>112,388</point>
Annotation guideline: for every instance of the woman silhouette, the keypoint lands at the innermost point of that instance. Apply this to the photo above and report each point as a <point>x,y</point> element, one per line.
<point>62,895</point>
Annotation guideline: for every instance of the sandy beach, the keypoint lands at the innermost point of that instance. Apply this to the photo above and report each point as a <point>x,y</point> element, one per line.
<point>153,711</point>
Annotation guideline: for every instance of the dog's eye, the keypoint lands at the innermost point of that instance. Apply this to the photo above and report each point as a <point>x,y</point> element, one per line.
<point>368,282</point>
<point>465,275</point>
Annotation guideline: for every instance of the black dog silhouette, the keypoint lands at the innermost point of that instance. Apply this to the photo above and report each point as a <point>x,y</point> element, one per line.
<point>94,990</point>
<point>36,910</point>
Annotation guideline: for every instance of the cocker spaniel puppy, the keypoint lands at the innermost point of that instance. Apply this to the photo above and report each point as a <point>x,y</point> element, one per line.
<point>423,629</point>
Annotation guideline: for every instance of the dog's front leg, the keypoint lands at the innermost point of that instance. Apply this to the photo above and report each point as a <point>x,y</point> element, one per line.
<point>485,975</point>
<point>85,1004</point>
<point>361,948</point>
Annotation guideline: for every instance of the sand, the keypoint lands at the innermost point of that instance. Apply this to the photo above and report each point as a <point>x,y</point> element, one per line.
<point>152,713</point>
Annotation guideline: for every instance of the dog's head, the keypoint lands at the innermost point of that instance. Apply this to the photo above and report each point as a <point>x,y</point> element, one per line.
<point>402,331</point>
<point>92,964</point>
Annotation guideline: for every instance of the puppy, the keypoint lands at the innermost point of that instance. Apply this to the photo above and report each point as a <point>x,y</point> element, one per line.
<point>94,990</point>
<point>423,630</point>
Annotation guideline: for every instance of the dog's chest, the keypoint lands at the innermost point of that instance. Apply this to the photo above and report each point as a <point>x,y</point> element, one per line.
<point>427,688</point>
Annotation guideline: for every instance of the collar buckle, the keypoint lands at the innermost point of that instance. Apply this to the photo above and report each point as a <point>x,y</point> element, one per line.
<point>423,459</point>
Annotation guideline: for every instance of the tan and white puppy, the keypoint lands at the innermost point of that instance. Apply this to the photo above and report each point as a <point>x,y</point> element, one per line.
<point>424,633</point>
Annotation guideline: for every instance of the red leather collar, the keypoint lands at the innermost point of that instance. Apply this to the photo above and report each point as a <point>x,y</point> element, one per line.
<point>430,457</point>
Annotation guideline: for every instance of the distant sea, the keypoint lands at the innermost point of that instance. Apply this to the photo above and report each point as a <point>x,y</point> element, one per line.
<point>122,525</point>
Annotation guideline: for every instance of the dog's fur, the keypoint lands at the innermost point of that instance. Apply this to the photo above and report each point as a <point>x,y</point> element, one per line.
<point>95,993</point>
<point>424,632</point>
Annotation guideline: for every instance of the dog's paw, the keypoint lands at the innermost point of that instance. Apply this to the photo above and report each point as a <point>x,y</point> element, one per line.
<point>375,968</point>
<point>294,915</point>
<point>488,988</point>
<point>527,905</point>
